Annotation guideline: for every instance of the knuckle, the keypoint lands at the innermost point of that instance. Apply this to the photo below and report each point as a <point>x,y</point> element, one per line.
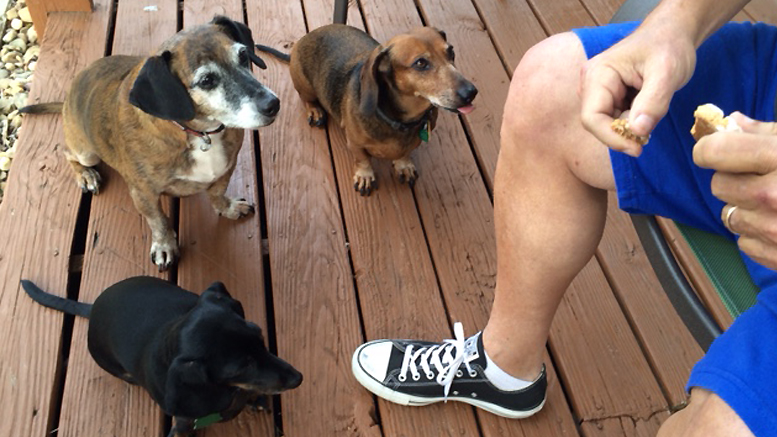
<point>766,196</point>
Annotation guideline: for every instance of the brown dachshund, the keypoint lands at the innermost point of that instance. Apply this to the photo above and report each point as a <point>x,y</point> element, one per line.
<point>169,123</point>
<point>385,97</point>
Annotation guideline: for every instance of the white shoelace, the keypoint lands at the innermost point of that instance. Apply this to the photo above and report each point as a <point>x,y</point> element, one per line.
<point>447,365</point>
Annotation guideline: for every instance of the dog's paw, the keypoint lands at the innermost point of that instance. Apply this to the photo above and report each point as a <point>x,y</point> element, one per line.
<point>364,181</point>
<point>406,171</point>
<point>237,208</point>
<point>316,117</point>
<point>261,403</point>
<point>89,180</point>
<point>165,251</point>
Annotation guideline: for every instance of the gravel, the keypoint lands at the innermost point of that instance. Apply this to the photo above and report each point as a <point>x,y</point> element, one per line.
<point>18,57</point>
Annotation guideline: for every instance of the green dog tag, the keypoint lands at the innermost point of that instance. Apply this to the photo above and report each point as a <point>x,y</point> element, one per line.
<point>424,133</point>
<point>208,420</point>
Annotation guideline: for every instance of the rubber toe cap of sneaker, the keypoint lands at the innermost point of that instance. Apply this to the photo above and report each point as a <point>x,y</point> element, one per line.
<point>373,358</point>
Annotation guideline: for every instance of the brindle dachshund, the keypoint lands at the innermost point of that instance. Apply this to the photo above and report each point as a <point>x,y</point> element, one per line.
<point>170,123</point>
<point>385,97</point>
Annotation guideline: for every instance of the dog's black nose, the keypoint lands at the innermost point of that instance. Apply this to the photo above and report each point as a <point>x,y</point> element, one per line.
<point>292,379</point>
<point>467,92</point>
<point>271,108</point>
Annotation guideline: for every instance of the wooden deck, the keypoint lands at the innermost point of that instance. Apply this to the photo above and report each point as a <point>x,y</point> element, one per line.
<point>319,267</point>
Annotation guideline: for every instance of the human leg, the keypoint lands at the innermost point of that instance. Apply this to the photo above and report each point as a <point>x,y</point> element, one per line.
<point>549,203</point>
<point>550,196</point>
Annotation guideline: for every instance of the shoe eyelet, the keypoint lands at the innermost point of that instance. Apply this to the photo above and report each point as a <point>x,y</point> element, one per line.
<point>473,374</point>
<point>402,378</point>
<point>416,377</point>
<point>459,374</point>
<point>474,395</point>
<point>455,393</point>
<point>430,376</point>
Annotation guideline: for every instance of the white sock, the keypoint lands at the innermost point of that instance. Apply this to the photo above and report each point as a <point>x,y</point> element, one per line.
<point>501,379</point>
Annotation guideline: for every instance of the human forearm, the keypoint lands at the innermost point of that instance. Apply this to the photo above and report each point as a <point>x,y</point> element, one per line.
<point>692,19</point>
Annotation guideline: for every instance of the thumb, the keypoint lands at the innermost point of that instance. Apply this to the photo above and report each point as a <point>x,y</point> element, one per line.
<point>754,126</point>
<point>651,103</point>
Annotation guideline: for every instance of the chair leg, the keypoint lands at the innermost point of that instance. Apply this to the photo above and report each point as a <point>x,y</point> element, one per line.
<point>341,11</point>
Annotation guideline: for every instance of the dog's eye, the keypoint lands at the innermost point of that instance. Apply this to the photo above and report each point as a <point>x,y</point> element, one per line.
<point>242,58</point>
<point>451,54</point>
<point>208,82</point>
<point>421,64</point>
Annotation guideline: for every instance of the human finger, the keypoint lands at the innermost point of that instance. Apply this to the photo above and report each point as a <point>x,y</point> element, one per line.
<point>602,97</point>
<point>749,190</point>
<point>737,152</point>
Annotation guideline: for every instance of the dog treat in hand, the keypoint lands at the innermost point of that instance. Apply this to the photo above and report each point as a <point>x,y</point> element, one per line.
<point>710,119</point>
<point>621,127</point>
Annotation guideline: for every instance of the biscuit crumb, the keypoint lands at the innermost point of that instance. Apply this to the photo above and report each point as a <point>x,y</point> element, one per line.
<point>710,119</point>
<point>621,127</point>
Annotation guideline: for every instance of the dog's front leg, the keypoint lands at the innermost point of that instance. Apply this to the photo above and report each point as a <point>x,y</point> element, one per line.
<point>225,206</point>
<point>181,427</point>
<point>164,241</point>
<point>405,170</point>
<point>364,180</point>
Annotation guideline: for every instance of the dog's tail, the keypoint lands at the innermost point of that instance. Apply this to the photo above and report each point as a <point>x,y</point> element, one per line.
<point>278,54</point>
<point>53,301</point>
<point>43,108</point>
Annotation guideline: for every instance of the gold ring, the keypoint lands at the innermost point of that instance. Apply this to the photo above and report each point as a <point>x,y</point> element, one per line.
<point>727,218</point>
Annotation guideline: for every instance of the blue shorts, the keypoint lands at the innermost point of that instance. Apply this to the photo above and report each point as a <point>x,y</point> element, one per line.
<point>736,70</point>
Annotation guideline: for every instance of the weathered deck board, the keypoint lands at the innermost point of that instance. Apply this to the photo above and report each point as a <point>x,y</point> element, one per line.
<point>478,60</point>
<point>316,313</point>
<point>672,351</point>
<point>218,249</point>
<point>511,40</point>
<point>38,216</point>
<point>763,10</point>
<point>118,242</point>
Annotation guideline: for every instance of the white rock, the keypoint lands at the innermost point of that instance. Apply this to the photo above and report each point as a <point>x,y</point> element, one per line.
<point>32,65</point>
<point>17,120</point>
<point>5,163</point>
<point>17,23</point>
<point>5,105</point>
<point>11,57</point>
<point>10,35</point>
<point>19,101</point>
<point>18,44</point>
<point>11,14</point>
<point>4,73</point>
<point>24,15</point>
<point>30,54</point>
<point>32,35</point>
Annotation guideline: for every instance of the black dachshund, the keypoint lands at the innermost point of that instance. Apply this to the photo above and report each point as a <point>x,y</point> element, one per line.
<point>197,356</point>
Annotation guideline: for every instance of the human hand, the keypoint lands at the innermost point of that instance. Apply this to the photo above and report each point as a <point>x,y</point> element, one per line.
<point>655,60</point>
<point>745,167</point>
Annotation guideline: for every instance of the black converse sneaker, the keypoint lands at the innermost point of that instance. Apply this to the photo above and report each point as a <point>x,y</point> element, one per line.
<point>411,372</point>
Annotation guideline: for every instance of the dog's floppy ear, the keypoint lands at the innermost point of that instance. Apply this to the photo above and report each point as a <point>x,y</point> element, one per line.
<point>180,398</point>
<point>370,77</point>
<point>239,32</point>
<point>225,298</point>
<point>442,34</point>
<point>157,91</point>
<point>190,393</point>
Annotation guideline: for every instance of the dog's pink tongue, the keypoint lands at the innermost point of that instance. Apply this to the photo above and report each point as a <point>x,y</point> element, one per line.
<point>466,109</point>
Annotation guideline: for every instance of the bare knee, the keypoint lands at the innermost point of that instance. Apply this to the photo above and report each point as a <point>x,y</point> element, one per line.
<point>543,90</point>
<point>706,415</point>
<point>541,121</point>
